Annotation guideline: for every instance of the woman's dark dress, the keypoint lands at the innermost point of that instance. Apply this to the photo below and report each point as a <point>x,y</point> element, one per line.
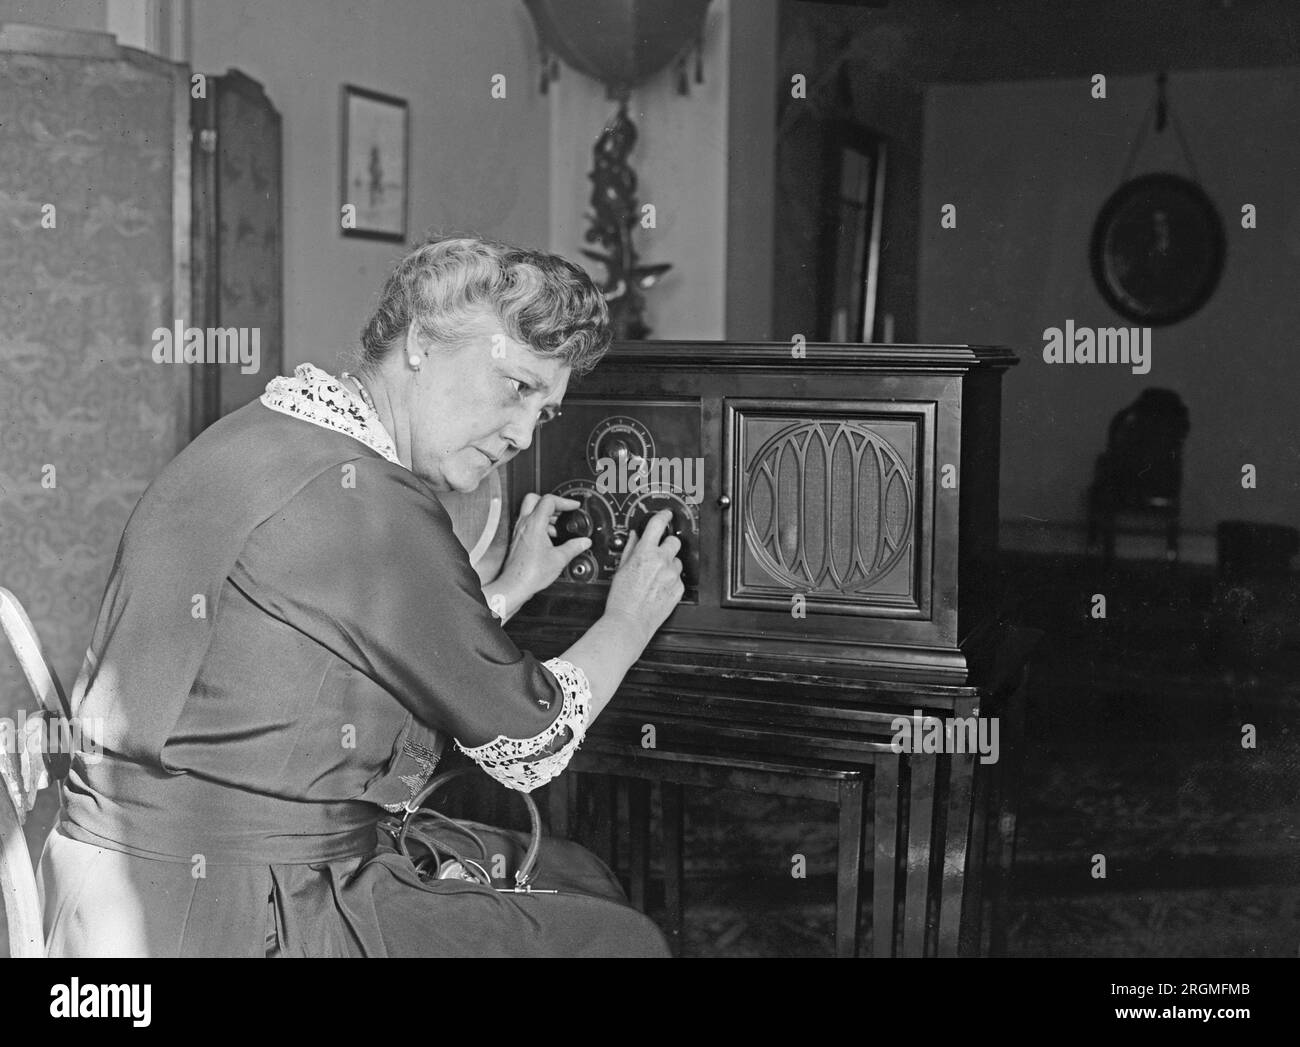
<point>288,616</point>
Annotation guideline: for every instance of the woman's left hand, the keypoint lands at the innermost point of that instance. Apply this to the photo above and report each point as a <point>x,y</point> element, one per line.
<point>533,562</point>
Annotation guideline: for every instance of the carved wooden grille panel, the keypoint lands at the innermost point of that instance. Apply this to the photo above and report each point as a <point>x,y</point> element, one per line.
<point>827,507</point>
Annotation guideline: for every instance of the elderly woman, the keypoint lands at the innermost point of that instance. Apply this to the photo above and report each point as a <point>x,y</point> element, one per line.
<point>291,629</point>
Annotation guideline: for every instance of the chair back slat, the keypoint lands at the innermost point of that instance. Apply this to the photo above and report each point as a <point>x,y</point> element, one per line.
<point>41,677</point>
<point>17,881</point>
<point>18,893</point>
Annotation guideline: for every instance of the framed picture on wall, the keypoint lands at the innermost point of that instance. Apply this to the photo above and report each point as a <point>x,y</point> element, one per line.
<point>854,201</point>
<point>375,164</point>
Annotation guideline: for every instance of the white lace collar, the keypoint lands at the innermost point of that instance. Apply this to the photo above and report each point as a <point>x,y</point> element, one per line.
<point>320,398</point>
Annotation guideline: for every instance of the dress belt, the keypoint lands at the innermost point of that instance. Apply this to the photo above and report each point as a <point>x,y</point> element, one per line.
<point>124,806</point>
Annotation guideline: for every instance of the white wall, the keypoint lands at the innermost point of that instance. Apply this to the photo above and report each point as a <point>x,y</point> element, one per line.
<point>66,14</point>
<point>1029,165</point>
<point>477,164</point>
<point>680,160</point>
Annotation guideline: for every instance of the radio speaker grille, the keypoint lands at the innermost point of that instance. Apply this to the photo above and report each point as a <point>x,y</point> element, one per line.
<point>828,506</point>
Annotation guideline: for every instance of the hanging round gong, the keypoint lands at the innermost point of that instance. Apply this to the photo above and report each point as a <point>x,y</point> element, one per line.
<point>1157,249</point>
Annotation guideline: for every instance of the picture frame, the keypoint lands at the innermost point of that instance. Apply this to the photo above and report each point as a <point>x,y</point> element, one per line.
<point>374,164</point>
<point>854,193</point>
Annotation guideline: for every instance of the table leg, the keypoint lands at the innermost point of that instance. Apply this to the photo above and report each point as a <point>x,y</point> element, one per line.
<point>558,806</point>
<point>638,851</point>
<point>604,795</point>
<point>673,803</point>
<point>886,800</point>
<point>984,794</point>
<point>955,890</point>
<point>919,824</point>
<point>1007,807</point>
<point>849,861</point>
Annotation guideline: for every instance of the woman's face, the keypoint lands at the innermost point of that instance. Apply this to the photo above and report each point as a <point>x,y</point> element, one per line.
<point>476,407</point>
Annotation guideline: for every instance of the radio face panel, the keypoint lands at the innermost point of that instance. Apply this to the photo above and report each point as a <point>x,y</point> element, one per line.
<point>840,514</point>
<point>624,462</point>
<point>829,501</point>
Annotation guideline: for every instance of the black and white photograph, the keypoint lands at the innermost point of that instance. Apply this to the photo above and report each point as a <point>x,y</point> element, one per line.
<point>697,479</point>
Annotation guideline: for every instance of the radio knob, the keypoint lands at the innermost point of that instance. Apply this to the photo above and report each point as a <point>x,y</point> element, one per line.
<point>583,568</point>
<point>576,523</point>
<point>617,447</point>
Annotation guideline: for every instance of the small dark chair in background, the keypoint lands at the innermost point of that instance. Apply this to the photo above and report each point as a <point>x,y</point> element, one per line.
<point>1141,470</point>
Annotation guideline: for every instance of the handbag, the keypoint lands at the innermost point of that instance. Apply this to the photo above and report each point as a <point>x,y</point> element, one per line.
<point>439,845</point>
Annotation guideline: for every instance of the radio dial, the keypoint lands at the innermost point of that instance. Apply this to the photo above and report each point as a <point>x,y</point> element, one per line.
<point>684,526</point>
<point>576,523</point>
<point>622,440</point>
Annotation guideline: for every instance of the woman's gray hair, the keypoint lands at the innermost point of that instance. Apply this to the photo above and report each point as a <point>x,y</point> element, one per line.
<point>447,283</point>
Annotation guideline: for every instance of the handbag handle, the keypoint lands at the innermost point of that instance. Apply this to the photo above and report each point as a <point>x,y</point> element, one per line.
<point>527,868</point>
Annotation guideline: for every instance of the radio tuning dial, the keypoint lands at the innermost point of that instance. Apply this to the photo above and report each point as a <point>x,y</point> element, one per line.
<point>576,523</point>
<point>622,440</point>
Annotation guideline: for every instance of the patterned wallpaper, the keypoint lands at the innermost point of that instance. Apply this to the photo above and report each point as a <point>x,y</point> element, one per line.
<point>78,302</point>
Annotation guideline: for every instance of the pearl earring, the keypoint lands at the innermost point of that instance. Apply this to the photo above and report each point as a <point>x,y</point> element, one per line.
<point>415,361</point>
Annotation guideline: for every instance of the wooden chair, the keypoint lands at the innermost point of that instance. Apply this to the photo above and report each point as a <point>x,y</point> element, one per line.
<point>22,782</point>
<point>1141,470</point>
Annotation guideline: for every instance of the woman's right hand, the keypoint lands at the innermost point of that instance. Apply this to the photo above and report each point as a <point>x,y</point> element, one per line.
<point>648,583</point>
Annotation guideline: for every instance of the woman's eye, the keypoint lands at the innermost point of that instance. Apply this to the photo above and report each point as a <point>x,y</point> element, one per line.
<point>523,390</point>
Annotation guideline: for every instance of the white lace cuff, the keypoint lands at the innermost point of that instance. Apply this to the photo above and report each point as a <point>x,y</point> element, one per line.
<point>508,759</point>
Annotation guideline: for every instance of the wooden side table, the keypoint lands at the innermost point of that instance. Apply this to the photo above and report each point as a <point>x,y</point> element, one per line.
<point>844,787</point>
<point>941,827</point>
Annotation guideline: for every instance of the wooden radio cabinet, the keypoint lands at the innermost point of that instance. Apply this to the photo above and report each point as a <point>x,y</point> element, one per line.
<point>838,507</point>
<point>838,513</point>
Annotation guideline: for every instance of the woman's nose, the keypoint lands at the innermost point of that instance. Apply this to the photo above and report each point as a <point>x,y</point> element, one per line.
<point>519,434</point>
